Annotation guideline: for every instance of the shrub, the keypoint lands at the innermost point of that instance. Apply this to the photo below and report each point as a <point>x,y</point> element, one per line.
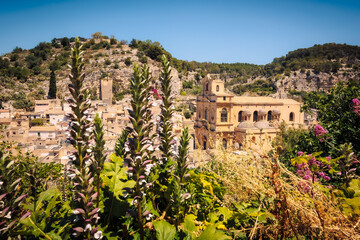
<point>107,62</point>
<point>128,61</point>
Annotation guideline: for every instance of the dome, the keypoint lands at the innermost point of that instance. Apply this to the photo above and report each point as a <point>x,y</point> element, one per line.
<point>262,124</point>
<point>276,112</point>
<point>246,124</point>
<point>262,112</point>
<point>246,112</point>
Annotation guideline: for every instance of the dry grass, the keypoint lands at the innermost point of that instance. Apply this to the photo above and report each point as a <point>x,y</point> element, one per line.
<point>253,176</point>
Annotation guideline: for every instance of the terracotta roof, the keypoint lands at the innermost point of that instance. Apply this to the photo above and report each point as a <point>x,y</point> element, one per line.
<point>263,100</point>
<point>43,129</point>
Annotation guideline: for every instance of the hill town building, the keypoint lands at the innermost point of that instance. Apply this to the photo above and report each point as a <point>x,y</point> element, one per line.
<point>225,120</point>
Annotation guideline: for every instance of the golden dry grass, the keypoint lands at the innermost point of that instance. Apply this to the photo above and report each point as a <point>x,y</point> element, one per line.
<point>253,176</point>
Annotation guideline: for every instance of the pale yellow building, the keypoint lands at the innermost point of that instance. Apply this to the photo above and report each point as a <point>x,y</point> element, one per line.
<point>225,120</point>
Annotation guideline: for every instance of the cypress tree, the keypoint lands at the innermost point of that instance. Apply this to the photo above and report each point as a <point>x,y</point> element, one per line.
<point>52,86</point>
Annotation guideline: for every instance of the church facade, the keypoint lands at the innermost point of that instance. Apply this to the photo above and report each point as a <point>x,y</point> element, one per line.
<point>225,120</point>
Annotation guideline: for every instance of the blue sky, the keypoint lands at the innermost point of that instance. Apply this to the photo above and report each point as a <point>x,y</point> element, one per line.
<point>214,31</point>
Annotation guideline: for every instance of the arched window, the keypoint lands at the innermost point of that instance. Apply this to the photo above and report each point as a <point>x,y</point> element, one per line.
<point>206,114</point>
<point>291,117</point>
<point>223,115</point>
<point>255,116</point>
<point>269,117</point>
<point>199,114</point>
<point>224,143</point>
<point>204,145</point>
<point>207,87</point>
<point>217,88</point>
<point>240,116</point>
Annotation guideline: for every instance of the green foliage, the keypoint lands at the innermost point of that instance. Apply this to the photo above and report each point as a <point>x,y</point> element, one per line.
<point>120,144</point>
<point>21,102</point>
<point>164,230</point>
<point>100,45</point>
<point>318,57</point>
<point>16,186</point>
<point>65,42</point>
<point>42,50</point>
<point>115,180</point>
<point>336,113</point>
<point>206,191</point>
<point>46,220</point>
<point>113,41</point>
<point>4,63</point>
<point>127,61</point>
<point>118,91</point>
<point>164,183</point>
<point>36,122</point>
<point>17,50</point>
<point>260,87</point>
<point>99,153</point>
<point>107,62</point>
<point>153,50</point>
<point>182,158</point>
<point>188,84</point>
<point>33,61</point>
<point>52,86</point>
<point>81,133</point>
<point>210,233</point>
<point>20,73</point>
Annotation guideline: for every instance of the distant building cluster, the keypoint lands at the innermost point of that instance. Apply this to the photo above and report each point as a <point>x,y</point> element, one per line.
<point>222,120</point>
<point>44,132</point>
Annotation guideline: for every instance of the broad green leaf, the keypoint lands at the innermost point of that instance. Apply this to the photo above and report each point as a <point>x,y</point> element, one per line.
<point>227,213</point>
<point>164,230</point>
<point>189,223</point>
<point>210,233</point>
<point>114,176</point>
<point>115,180</point>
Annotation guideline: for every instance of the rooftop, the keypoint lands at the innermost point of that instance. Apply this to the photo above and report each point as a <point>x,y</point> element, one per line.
<point>43,129</point>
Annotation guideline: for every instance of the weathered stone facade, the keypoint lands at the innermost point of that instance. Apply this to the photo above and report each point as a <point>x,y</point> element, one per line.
<point>225,120</point>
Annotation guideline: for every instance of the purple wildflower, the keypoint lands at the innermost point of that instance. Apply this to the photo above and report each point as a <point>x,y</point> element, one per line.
<point>319,130</point>
<point>356,106</point>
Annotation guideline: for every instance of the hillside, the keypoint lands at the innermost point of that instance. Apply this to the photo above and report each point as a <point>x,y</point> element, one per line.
<point>25,74</point>
<point>317,68</point>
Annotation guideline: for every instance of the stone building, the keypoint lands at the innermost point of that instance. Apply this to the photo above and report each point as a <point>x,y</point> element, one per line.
<point>225,120</point>
<point>106,93</point>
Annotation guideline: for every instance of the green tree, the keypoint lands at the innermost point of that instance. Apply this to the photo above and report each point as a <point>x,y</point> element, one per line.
<point>128,61</point>
<point>65,42</point>
<point>336,113</point>
<point>52,86</point>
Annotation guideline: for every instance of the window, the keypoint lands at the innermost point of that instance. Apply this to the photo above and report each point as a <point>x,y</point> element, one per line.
<point>223,115</point>
<point>217,88</point>
<point>206,114</point>
<point>291,117</point>
<point>269,117</point>
<point>240,116</point>
<point>224,98</point>
<point>204,145</point>
<point>207,87</point>
<point>38,134</point>
<point>255,116</point>
<point>224,143</point>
